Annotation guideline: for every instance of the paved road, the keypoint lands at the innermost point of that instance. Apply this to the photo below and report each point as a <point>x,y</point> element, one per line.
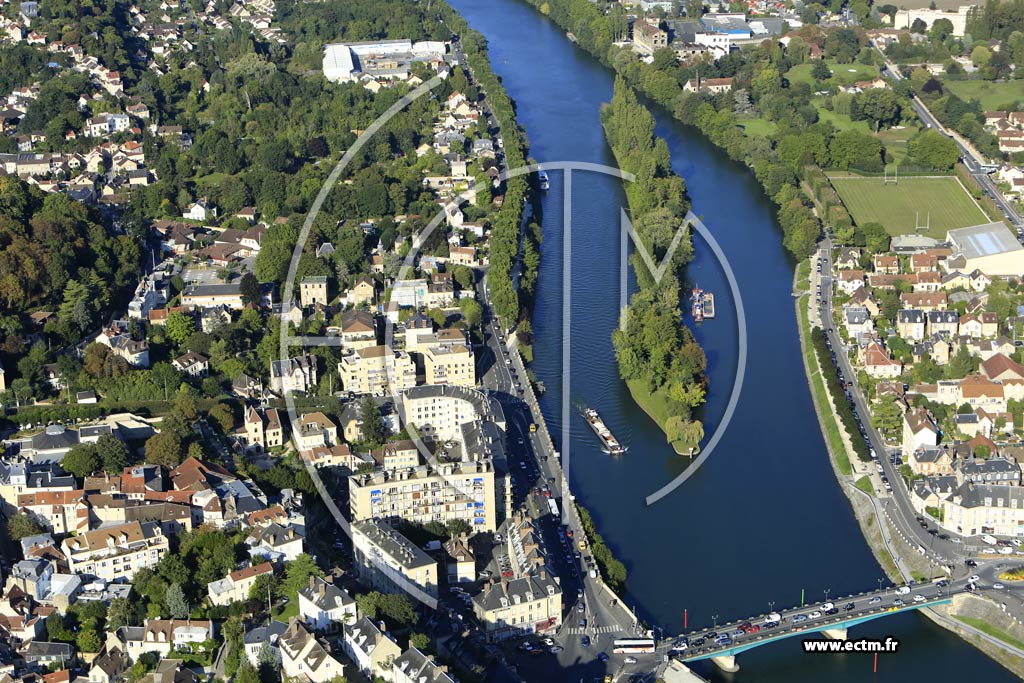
<point>700,644</point>
<point>952,552</point>
<point>534,464</point>
<point>971,158</point>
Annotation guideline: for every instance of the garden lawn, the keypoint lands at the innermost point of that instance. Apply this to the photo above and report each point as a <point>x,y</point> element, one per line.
<point>993,96</point>
<point>757,127</point>
<point>900,207</point>
<point>842,74</point>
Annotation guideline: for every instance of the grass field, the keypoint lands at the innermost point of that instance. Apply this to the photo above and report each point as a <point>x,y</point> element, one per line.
<point>842,74</point>
<point>991,630</point>
<point>895,206</point>
<point>757,127</point>
<point>993,96</point>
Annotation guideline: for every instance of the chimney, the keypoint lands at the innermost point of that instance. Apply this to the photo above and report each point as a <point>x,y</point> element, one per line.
<point>312,581</point>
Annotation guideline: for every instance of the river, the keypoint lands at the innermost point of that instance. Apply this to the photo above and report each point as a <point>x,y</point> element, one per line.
<point>764,518</point>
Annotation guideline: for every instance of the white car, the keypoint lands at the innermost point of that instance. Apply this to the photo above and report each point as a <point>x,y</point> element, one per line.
<point>974,579</point>
<point>919,598</point>
<point>998,585</point>
<point>815,614</point>
<point>629,660</point>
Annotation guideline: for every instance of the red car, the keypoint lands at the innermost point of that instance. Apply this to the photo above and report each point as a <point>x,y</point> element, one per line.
<point>568,532</point>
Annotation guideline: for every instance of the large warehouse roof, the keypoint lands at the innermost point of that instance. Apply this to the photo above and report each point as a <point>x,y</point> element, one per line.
<point>984,240</point>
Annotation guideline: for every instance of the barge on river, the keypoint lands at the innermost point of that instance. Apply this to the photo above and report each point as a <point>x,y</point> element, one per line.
<point>702,304</point>
<point>608,441</point>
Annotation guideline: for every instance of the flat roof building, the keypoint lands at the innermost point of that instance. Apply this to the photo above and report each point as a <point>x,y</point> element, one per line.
<point>990,248</point>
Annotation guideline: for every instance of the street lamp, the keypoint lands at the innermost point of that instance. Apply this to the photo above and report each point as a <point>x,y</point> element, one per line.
<point>827,591</point>
<point>771,606</point>
<point>880,584</point>
<point>714,618</point>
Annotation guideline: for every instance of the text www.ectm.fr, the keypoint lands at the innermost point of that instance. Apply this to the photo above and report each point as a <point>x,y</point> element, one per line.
<point>890,644</point>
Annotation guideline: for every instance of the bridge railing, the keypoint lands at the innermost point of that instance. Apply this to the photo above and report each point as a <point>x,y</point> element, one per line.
<point>791,630</point>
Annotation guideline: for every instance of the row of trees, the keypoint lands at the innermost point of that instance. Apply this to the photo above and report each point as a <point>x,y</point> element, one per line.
<point>838,393</point>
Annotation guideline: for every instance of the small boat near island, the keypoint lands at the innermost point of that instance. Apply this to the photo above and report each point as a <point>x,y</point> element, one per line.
<point>608,441</point>
<point>702,304</point>
<point>571,36</point>
<point>545,183</point>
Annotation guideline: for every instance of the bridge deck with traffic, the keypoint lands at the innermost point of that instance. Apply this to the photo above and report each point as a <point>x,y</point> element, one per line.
<point>724,641</point>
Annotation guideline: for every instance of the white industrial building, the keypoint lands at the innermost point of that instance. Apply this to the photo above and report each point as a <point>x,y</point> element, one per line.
<point>990,248</point>
<point>386,59</point>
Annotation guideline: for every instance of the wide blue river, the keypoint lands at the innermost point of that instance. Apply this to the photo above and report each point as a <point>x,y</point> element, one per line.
<point>764,518</point>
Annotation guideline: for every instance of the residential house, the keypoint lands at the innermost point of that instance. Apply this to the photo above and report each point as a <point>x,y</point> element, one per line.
<point>262,428</point>
<point>919,430</point>
<point>363,292</point>
<point>313,291</point>
<point>924,301</point>
<point>358,329</point>
<point>910,324</point>
<point>850,280</point>
<point>849,257</point>
<point>370,649</point>
<point>412,666</point>
<point>200,211</point>
<point>943,323</point>
<point>269,637</point>
<point>980,392</point>
<point>314,430</point>
<point>886,263</point>
<point>978,326</point>
<point>305,657</point>
<point>1000,368</point>
<point>878,363</point>
<point>275,543</point>
<point>930,461</point>
<point>460,561</point>
<point>192,364</point>
<point>325,606</point>
<point>294,375</point>
<point>235,586</point>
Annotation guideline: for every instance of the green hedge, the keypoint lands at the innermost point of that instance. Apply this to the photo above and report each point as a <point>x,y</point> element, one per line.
<point>833,387</point>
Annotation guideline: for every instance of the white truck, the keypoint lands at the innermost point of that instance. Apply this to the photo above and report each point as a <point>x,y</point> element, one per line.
<point>988,538</point>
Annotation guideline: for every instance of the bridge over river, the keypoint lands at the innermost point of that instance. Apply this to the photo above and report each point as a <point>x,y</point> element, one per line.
<point>831,619</point>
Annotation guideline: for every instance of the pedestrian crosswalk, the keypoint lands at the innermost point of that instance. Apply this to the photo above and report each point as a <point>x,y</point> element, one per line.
<point>595,631</point>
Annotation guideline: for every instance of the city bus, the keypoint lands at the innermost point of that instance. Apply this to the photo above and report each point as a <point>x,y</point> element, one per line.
<point>633,646</point>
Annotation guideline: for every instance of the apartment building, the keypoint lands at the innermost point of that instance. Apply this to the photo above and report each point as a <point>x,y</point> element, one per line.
<point>985,509</point>
<point>389,562</point>
<point>117,552</point>
<point>451,365</point>
<point>440,412</point>
<point>375,369</point>
<point>459,490</point>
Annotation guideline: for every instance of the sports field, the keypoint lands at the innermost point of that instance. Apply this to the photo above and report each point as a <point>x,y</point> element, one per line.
<point>894,206</point>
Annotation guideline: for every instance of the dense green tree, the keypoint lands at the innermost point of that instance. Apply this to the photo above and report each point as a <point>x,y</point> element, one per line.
<point>113,454</point>
<point>82,460</point>
<point>22,526</point>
